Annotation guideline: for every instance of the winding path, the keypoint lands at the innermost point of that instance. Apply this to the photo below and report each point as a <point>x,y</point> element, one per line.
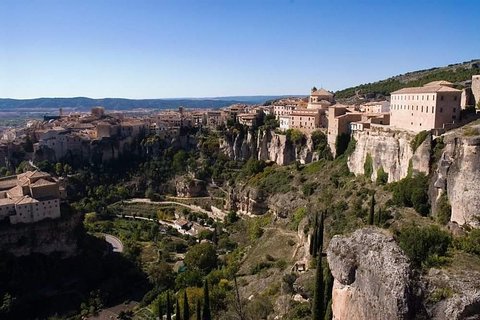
<point>219,215</point>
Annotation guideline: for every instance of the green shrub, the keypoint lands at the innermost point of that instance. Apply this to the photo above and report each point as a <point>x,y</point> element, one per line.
<point>444,210</point>
<point>412,192</point>
<point>382,177</point>
<point>320,144</point>
<point>308,189</point>
<point>425,246</point>
<point>297,216</point>
<point>295,136</point>
<point>418,140</point>
<point>342,143</point>
<point>368,166</point>
<point>470,243</point>
<point>440,294</point>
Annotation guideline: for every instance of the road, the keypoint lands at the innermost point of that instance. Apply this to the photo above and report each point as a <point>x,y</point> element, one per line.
<point>115,242</point>
<point>188,206</point>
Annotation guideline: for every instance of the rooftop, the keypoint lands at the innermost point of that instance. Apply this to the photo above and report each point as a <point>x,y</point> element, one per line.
<point>426,89</point>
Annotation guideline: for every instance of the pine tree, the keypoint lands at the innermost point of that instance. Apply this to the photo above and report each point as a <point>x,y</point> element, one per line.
<point>186,307</point>
<point>177,311</point>
<point>372,211</point>
<point>206,315</point>
<point>199,310</point>
<point>169,311</point>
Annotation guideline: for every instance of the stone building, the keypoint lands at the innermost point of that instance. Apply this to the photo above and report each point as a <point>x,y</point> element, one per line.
<point>29,197</point>
<point>433,106</point>
<point>320,99</point>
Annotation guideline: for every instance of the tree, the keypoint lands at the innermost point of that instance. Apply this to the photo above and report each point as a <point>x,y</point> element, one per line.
<point>206,315</point>
<point>160,311</point>
<point>169,311</point>
<point>318,297</point>
<point>371,216</point>
<point>161,275</point>
<point>201,257</point>
<point>379,221</point>
<point>199,310</point>
<point>186,307</point>
<point>177,311</point>
<point>28,144</point>
<point>179,161</point>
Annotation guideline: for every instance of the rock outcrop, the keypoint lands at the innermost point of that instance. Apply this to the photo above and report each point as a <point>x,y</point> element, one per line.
<point>268,146</point>
<point>390,150</point>
<point>189,187</point>
<point>47,236</point>
<point>458,173</point>
<point>372,277</point>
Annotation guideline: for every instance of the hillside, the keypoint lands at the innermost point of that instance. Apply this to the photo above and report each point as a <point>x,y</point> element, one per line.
<point>84,104</point>
<point>456,73</point>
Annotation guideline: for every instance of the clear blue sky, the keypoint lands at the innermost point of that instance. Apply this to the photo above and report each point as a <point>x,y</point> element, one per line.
<point>198,48</point>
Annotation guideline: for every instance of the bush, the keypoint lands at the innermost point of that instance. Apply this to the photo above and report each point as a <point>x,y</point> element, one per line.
<point>295,136</point>
<point>444,210</point>
<point>470,243</point>
<point>308,189</point>
<point>320,144</point>
<point>412,192</point>
<point>297,216</point>
<point>382,177</point>
<point>418,140</point>
<point>425,246</point>
<point>368,166</point>
<point>342,144</point>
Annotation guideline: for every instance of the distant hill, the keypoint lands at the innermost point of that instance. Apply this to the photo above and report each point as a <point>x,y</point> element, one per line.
<point>456,73</point>
<point>84,104</point>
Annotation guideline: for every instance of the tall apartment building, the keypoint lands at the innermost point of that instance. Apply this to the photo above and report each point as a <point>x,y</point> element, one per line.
<point>433,106</point>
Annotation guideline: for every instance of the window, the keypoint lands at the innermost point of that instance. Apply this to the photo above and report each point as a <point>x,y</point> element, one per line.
<point>433,109</point>
<point>427,110</point>
<point>441,110</point>
<point>441,98</point>
<point>454,109</point>
<point>455,98</point>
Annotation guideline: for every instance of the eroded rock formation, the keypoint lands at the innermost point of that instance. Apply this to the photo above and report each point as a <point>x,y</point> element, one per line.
<point>372,278</point>
<point>268,146</point>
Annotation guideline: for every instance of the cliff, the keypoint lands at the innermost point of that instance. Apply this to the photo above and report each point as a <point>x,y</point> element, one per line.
<point>47,236</point>
<point>372,278</point>
<point>458,173</point>
<point>390,150</point>
<point>266,145</point>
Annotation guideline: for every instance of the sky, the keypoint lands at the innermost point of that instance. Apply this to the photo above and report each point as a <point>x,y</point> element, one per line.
<point>208,48</point>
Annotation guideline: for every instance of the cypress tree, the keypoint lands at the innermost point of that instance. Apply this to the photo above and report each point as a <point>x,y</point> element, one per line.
<point>372,211</point>
<point>318,299</point>
<point>186,307</point>
<point>177,311</point>
<point>206,315</point>
<point>160,310</point>
<point>199,310</point>
<point>169,311</point>
<point>313,239</point>
<point>379,221</point>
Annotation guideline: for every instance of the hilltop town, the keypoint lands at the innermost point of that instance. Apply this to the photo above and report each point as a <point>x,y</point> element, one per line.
<point>242,186</point>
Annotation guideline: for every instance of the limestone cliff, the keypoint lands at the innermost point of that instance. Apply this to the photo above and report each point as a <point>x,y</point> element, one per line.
<point>390,150</point>
<point>372,278</point>
<point>47,236</point>
<point>458,173</point>
<point>266,145</point>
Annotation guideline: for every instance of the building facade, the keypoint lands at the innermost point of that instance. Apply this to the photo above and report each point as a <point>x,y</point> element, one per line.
<point>425,108</point>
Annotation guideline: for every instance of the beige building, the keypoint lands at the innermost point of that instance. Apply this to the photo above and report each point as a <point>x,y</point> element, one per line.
<point>375,107</point>
<point>306,120</point>
<point>339,119</point>
<point>29,197</point>
<point>433,106</point>
<point>283,110</point>
<point>320,99</point>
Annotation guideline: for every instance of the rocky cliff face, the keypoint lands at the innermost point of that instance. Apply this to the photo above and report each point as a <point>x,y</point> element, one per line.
<point>45,237</point>
<point>371,277</point>
<point>390,150</point>
<point>190,187</point>
<point>458,173</point>
<point>267,146</point>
